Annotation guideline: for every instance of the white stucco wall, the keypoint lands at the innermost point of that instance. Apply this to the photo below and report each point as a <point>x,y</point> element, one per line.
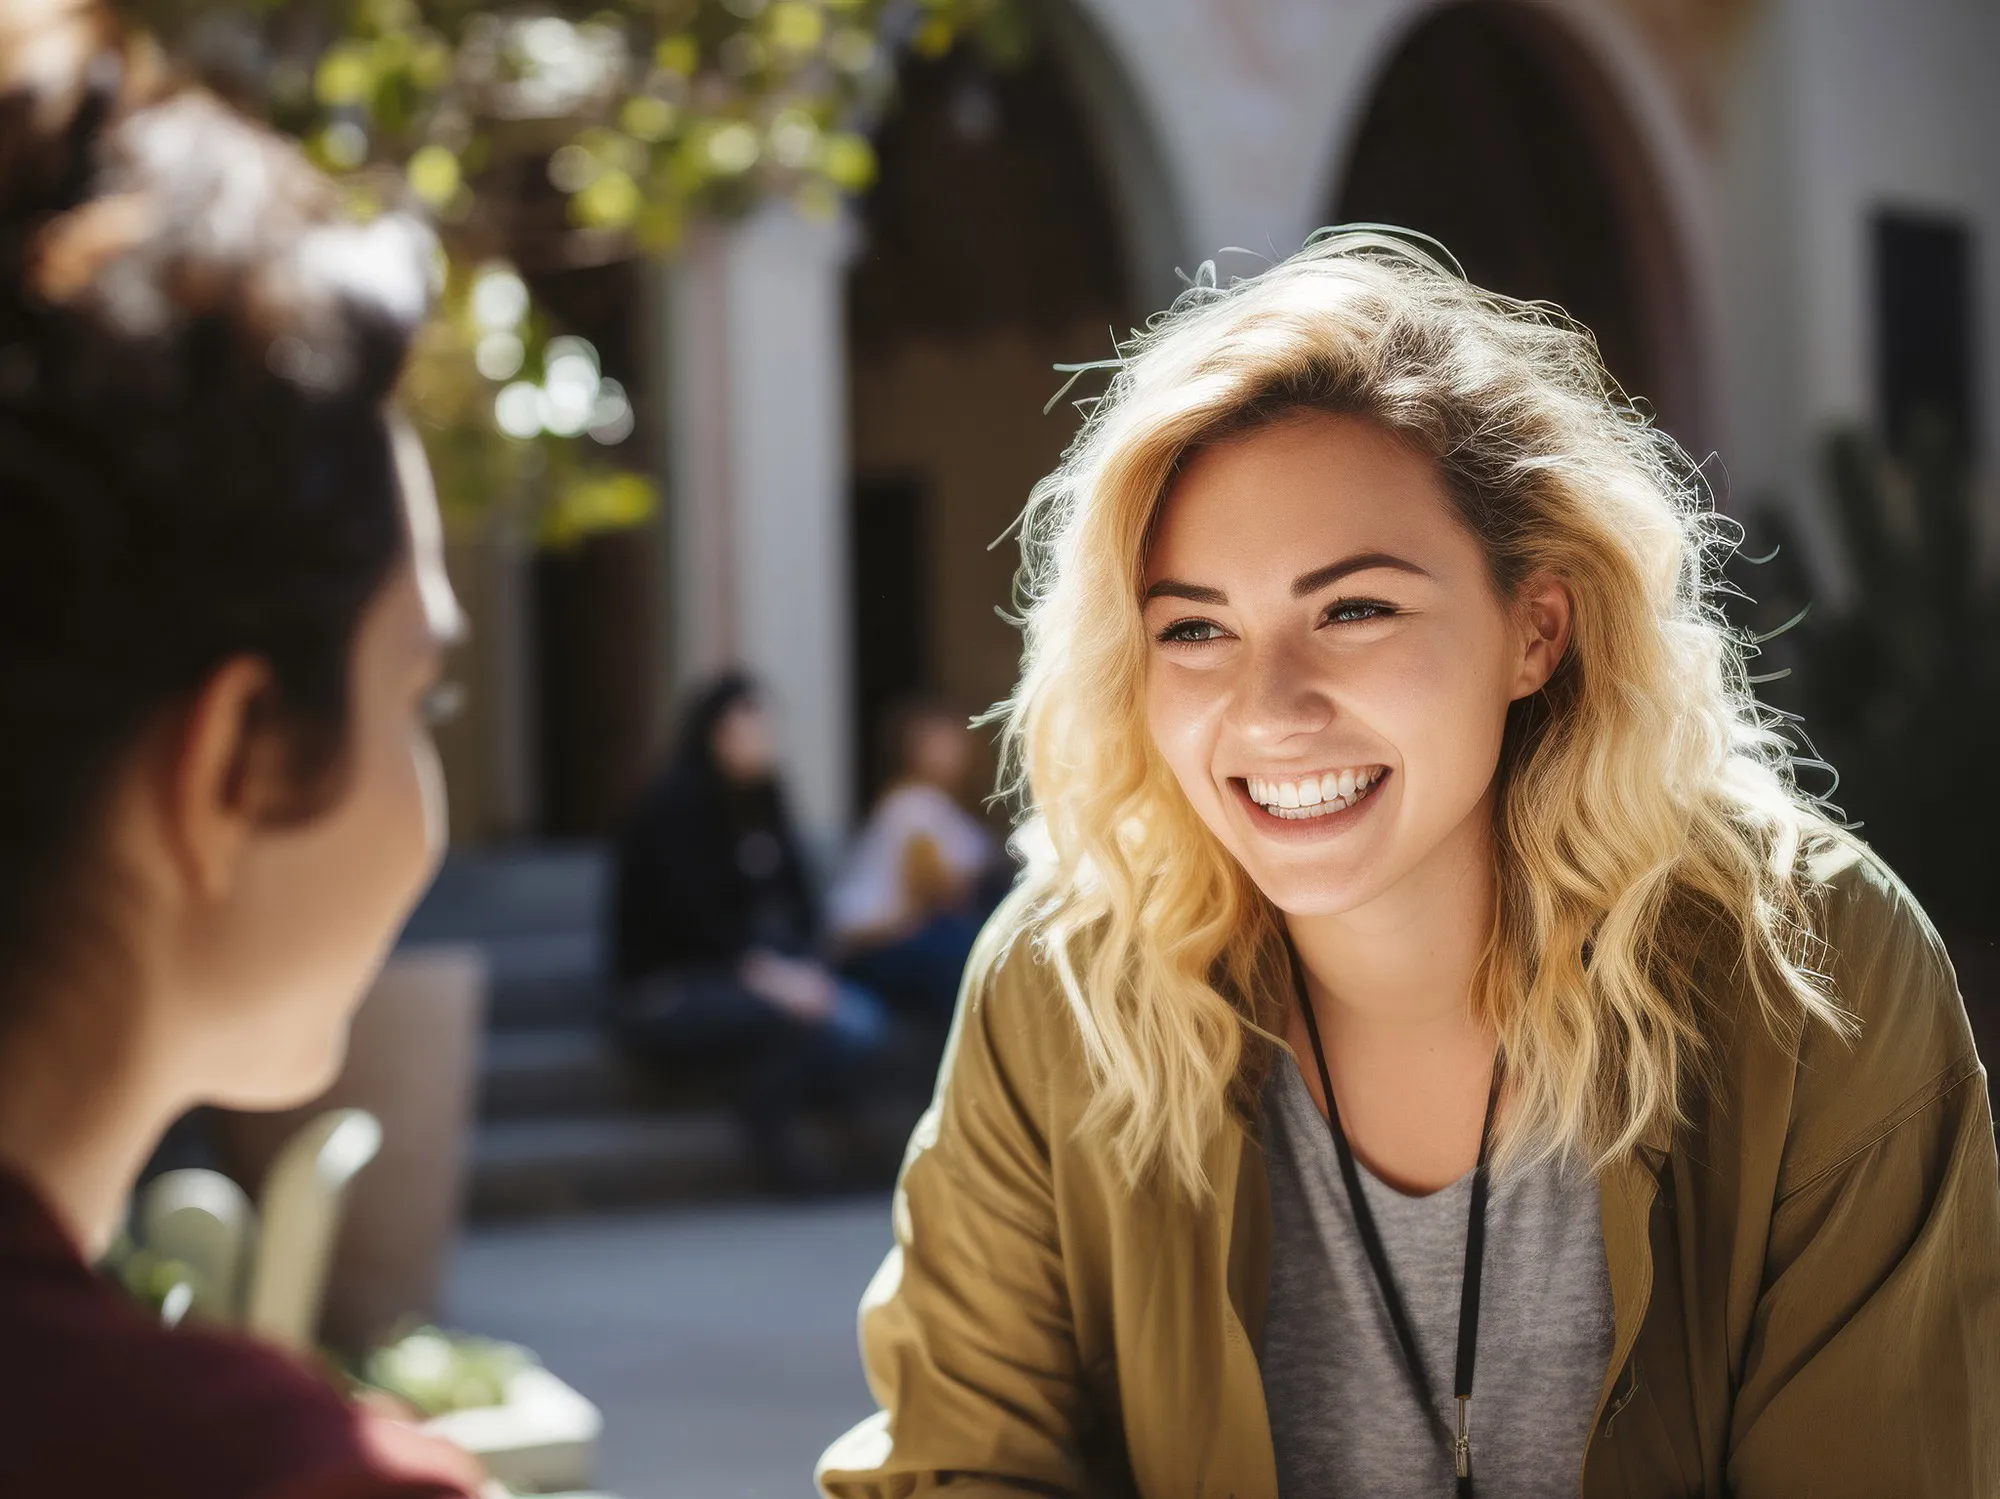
<point>1895,105</point>
<point>1844,107</point>
<point>756,540</point>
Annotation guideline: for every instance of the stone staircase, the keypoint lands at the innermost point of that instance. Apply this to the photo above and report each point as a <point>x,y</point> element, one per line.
<point>565,1122</point>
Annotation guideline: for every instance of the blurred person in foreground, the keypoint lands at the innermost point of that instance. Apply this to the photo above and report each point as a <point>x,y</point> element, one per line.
<point>222,613</point>
<point>923,874</point>
<point>717,932</point>
<point>1435,1047</point>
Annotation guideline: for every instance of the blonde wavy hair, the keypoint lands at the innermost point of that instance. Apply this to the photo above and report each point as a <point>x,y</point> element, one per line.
<point>1646,821</point>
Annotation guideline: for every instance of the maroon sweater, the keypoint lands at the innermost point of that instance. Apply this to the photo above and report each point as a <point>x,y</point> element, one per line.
<point>98,1401</point>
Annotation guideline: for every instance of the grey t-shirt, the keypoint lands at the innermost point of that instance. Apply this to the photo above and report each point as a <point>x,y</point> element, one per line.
<point>1343,1416</point>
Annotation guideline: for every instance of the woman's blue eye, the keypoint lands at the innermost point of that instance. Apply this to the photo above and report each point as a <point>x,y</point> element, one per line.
<point>1190,632</point>
<point>1357,611</point>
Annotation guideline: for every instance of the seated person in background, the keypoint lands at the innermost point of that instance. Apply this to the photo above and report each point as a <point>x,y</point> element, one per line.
<point>924,873</point>
<point>222,612</point>
<point>716,935</point>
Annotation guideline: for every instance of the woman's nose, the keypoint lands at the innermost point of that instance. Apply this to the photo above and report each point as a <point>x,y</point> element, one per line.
<point>1280,696</point>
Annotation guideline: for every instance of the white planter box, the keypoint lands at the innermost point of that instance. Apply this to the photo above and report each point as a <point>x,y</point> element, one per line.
<point>543,1440</point>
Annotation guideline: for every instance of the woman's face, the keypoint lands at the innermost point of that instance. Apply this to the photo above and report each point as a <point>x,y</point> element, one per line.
<point>1331,664</point>
<point>940,751</point>
<point>743,742</point>
<point>280,964</point>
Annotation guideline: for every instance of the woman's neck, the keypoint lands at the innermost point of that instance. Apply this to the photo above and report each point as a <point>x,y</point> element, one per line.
<point>78,1128</point>
<point>1391,988</point>
<point>1405,960</point>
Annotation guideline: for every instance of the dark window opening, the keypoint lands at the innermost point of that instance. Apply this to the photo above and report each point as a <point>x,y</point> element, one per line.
<point>891,614</point>
<point>1923,331</point>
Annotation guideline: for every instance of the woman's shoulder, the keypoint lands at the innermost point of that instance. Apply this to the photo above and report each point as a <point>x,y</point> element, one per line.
<point>1908,1043</point>
<point>1015,1005</point>
<point>1884,962</point>
<point>1013,978</point>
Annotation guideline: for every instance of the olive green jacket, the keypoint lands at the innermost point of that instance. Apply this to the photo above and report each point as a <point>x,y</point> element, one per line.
<point>1805,1277</point>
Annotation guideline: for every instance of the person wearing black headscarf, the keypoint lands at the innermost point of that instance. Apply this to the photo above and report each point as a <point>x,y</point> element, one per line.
<point>716,930</point>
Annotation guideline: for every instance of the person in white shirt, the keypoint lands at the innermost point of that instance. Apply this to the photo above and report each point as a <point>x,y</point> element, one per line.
<point>924,872</point>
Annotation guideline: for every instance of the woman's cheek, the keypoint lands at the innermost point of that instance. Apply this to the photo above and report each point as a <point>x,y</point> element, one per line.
<point>1438,706</point>
<point>1181,715</point>
<point>434,806</point>
<point>409,818</point>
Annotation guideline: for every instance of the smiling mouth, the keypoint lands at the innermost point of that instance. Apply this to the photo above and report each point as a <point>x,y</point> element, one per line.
<point>1306,798</point>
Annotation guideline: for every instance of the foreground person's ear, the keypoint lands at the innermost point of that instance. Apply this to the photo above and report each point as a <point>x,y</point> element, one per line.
<point>227,764</point>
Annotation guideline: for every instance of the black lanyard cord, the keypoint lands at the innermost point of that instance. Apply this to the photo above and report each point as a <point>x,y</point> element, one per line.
<point>1460,1442</point>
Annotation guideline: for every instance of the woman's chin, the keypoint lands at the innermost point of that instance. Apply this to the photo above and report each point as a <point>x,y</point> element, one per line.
<point>1297,892</point>
<point>299,1080</point>
<point>1313,879</point>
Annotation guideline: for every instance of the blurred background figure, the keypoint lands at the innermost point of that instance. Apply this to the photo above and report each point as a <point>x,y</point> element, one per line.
<point>717,936</point>
<point>924,872</point>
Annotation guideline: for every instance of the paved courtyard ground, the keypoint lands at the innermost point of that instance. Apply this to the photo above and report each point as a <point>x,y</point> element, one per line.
<point>719,1342</point>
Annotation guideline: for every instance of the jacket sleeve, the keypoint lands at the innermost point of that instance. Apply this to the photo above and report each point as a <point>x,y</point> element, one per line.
<point>966,1330</point>
<point>1874,1362</point>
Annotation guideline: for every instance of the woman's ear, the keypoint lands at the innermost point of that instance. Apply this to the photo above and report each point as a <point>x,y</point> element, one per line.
<point>226,767</point>
<point>1546,612</point>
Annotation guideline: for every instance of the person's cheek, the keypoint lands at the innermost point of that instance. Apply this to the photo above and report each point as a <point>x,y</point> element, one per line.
<point>434,806</point>
<point>416,816</point>
<point>396,833</point>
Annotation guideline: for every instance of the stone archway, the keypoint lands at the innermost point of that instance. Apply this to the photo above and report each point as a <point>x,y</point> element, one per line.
<point>1493,128</point>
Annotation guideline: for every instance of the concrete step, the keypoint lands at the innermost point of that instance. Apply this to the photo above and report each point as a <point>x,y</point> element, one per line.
<point>529,957</point>
<point>545,964</point>
<point>566,1069</point>
<point>577,1000</point>
<point>537,1072</point>
<point>510,892</point>
<point>524,1167</point>
<point>534,1166</point>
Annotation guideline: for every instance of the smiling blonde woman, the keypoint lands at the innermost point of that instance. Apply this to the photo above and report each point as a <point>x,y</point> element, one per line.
<point>1435,1047</point>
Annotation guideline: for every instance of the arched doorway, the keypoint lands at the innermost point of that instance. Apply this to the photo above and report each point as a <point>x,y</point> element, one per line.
<point>1493,131</point>
<point>990,252</point>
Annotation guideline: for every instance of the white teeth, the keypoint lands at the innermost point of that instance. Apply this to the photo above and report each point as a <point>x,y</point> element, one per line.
<point>1312,796</point>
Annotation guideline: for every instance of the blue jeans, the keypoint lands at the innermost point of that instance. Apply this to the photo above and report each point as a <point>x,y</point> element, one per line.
<point>919,974</point>
<point>707,1018</point>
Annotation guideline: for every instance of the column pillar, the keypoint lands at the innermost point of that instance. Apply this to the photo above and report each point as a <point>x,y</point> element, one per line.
<point>757,485</point>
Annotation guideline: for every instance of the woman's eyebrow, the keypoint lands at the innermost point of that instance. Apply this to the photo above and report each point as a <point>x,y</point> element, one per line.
<point>1303,586</point>
<point>1306,584</point>
<point>1194,593</point>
